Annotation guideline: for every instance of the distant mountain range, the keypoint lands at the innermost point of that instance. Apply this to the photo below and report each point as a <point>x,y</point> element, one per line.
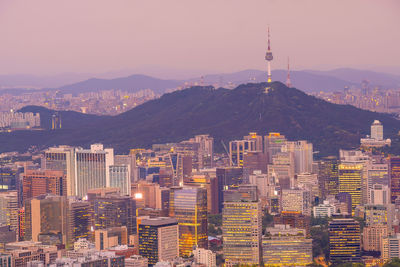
<point>222,113</point>
<point>306,80</point>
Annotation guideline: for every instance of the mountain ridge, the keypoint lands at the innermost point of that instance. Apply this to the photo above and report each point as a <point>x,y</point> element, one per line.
<point>224,114</point>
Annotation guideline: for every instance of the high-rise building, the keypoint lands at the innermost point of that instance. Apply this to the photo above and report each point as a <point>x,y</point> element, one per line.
<point>257,138</point>
<point>62,158</point>
<point>350,181</point>
<point>46,219</point>
<point>92,168</point>
<point>79,221</point>
<point>328,176</point>
<point>189,207</point>
<point>297,200</point>
<point>120,177</point>
<point>344,240</point>
<point>210,183</point>
<point>114,211</point>
<point>309,181</point>
<point>158,239</point>
<point>238,148</point>
<point>302,152</point>
<point>241,227</point>
<point>394,174</point>
<point>228,177</point>
<point>285,246</point>
<point>379,195</point>
<point>9,209</point>
<point>373,235</point>
<point>39,182</point>
<point>379,214</point>
<point>206,150</point>
<point>9,178</point>
<point>377,130</point>
<point>273,143</point>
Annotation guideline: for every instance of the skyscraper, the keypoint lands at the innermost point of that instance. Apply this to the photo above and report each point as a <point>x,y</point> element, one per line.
<point>394,173</point>
<point>273,143</point>
<point>114,210</point>
<point>120,177</point>
<point>62,158</point>
<point>92,168</point>
<point>238,148</point>
<point>189,207</point>
<point>350,181</point>
<point>344,240</point>
<point>39,182</point>
<point>9,209</point>
<point>46,219</point>
<point>158,239</point>
<point>241,227</point>
<point>79,221</point>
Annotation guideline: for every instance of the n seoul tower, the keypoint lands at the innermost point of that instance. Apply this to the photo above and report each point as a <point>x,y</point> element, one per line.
<point>269,58</point>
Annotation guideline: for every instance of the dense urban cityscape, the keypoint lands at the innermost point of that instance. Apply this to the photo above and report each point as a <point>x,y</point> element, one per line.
<point>271,167</point>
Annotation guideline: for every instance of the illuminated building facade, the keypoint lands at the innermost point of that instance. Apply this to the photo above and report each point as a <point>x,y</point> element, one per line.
<point>286,247</point>
<point>189,207</point>
<point>394,172</point>
<point>79,221</point>
<point>328,176</point>
<point>344,240</point>
<point>158,239</point>
<point>350,181</point>
<point>296,200</point>
<point>241,227</point>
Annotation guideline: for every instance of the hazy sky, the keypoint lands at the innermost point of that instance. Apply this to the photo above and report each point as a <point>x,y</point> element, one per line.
<point>195,36</point>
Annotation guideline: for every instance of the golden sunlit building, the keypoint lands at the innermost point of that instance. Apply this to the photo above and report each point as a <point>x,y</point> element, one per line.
<point>241,227</point>
<point>350,181</point>
<point>189,206</point>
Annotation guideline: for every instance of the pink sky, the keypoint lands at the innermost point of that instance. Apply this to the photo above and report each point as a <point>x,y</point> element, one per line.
<point>55,36</point>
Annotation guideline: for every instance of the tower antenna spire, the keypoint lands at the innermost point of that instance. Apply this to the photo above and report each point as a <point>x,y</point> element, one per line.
<point>288,82</point>
<point>269,57</point>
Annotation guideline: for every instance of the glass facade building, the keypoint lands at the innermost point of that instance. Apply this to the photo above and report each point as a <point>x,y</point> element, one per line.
<point>189,207</point>
<point>350,181</point>
<point>241,228</point>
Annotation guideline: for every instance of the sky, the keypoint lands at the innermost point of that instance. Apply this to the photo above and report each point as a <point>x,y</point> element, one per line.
<point>186,37</point>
